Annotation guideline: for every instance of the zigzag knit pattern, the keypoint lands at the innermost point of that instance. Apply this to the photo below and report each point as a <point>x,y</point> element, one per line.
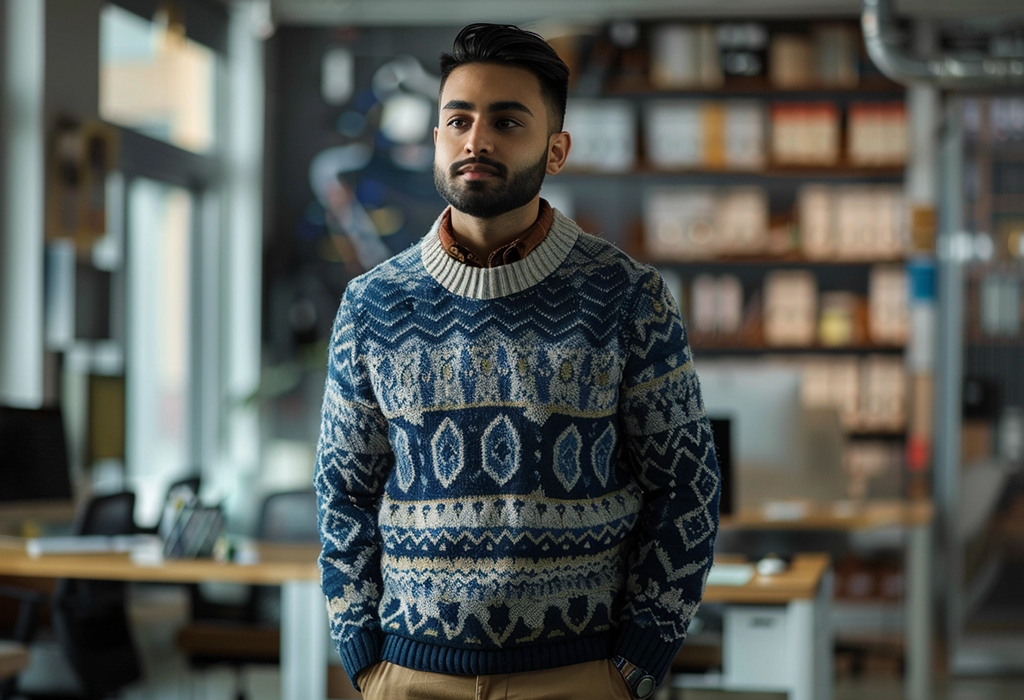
<point>515,469</point>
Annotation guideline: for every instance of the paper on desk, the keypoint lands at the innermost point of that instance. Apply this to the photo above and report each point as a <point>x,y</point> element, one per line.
<point>87,544</point>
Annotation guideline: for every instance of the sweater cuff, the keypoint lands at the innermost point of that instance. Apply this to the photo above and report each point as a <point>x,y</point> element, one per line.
<point>360,652</point>
<point>646,650</point>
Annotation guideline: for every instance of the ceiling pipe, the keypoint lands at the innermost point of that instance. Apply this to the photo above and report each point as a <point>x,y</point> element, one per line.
<point>884,44</point>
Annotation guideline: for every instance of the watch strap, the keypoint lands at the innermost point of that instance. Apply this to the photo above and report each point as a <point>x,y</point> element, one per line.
<point>640,683</point>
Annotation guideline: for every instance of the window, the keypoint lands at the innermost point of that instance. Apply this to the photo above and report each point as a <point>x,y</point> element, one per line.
<point>155,80</point>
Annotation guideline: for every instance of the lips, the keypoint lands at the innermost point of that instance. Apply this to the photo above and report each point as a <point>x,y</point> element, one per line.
<point>477,170</point>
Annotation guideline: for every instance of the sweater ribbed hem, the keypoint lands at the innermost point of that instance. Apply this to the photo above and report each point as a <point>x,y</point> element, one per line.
<point>646,649</point>
<point>423,656</point>
<point>493,282</point>
<point>360,652</point>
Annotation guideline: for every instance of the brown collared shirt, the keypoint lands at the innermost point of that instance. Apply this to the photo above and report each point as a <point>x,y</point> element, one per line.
<point>508,253</point>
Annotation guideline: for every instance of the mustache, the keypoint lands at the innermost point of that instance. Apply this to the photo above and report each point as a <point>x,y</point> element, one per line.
<point>499,168</point>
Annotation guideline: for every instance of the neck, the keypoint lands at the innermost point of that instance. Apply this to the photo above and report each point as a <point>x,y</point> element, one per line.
<point>484,236</point>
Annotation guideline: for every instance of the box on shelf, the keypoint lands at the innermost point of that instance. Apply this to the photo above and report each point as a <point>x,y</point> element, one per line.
<point>805,133</point>
<point>816,219</point>
<point>685,56</point>
<point>744,135</point>
<point>674,133</point>
<point>888,304</point>
<point>705,134</point>
<point>852,222</point>
<point>876,134</point>
<point>883,394</point>
<point>698,222</point>
<point>717,305</point>
<point>836,52</point>
<point>741,223</point>
<point>603,135</point>
<point>832,382</point>
<point>790,308</point>
<point>679,223</point>
<point>791,61</point>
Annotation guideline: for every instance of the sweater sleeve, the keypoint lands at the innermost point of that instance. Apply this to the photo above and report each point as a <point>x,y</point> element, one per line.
<point>353,460</point>
<point>669,448</point>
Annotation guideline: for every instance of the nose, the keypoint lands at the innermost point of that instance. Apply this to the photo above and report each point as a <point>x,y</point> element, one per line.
<point>478,140</point>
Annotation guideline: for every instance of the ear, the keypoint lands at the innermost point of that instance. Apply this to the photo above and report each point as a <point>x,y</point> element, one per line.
<point>559,145</point>
<point>435,135</point>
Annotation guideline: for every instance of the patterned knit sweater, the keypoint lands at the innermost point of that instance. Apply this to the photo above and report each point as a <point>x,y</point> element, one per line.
<point>515,470</point>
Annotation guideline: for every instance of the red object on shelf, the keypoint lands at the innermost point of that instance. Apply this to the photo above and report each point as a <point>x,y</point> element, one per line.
<point>919,453</point>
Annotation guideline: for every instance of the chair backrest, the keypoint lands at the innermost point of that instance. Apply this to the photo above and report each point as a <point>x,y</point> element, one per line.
<point>289,516</point>
<point>113,514</point>
<point>89,617</point>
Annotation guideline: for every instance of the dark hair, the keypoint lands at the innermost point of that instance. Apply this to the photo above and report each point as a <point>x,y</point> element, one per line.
<point>505,44</point>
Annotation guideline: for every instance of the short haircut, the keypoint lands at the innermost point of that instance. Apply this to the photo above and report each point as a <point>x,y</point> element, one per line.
<point>505,44</point>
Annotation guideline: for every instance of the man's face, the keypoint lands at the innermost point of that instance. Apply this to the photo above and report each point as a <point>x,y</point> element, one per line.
<point>491,144</point>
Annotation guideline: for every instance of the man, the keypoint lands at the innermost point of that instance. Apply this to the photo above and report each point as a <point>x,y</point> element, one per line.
<point>518,493</point>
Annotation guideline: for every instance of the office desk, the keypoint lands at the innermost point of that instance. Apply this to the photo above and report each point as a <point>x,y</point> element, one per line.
<point>775,635</point>
<point>915,517</point>
<point>293,567</point>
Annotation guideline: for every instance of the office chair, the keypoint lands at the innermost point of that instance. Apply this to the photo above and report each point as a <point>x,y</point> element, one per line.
<point>14,650</point>
<point>250,633</point>
<point>89,617</point>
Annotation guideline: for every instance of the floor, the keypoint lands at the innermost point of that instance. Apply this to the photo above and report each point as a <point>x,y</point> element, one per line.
<point>886,689</point>
<point>158,611</point>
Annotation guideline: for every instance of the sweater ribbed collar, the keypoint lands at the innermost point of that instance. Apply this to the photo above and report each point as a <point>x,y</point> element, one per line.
<point>493,282</point>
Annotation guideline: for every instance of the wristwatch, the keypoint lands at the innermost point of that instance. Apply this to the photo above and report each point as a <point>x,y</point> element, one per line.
<point>641,683</point>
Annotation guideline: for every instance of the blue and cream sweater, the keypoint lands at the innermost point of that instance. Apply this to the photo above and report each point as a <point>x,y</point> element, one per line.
<point>515,470</point>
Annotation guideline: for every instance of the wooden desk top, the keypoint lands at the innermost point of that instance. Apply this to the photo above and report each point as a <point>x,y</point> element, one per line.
<point>799,581</point>
<point>840,515</point>
<point>278,563</point>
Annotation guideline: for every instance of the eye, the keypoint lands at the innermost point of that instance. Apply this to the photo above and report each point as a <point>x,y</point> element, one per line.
<point>457,123</point>
<point>506,123</point>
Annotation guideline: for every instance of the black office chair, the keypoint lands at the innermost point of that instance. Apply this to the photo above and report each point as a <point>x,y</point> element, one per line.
<point>14,646</point>
<point>89,617</point>
<point>250,633</point>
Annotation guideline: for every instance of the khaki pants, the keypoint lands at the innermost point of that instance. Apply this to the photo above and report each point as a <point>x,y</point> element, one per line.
<point>594,680</point>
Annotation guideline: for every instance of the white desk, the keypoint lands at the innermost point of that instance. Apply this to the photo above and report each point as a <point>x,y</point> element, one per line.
<point>293,567</point>
<point>915,518</point>
<point>776,636</point>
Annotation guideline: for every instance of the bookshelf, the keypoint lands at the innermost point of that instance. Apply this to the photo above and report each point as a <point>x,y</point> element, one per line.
<point>645,114</point>
<point>615,197</point>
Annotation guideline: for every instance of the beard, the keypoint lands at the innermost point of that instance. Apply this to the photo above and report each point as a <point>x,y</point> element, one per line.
<point>487,199</point>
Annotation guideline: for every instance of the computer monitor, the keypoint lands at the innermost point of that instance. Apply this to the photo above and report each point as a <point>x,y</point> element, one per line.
<point>763,404</point>
<point>33,455</point>
<point>779,450</point>
<point>721,431</point>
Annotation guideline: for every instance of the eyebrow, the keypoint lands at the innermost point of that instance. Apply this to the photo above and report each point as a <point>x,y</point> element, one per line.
<point>507,105</point>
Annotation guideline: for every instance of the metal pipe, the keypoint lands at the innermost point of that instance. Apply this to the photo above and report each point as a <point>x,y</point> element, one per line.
<point>884,44</point>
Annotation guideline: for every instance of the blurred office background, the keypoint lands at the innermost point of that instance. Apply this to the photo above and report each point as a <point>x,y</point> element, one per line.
<point>188,186</point>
